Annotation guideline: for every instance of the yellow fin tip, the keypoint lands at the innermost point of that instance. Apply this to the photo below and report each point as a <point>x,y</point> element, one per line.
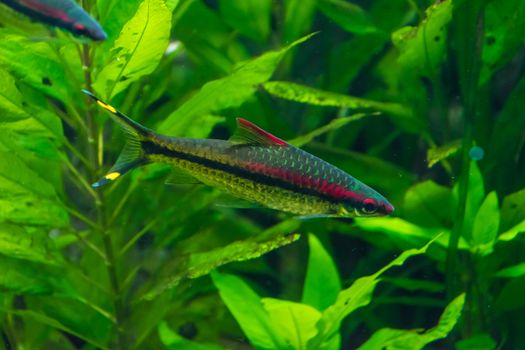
<point>112,176</point>
<point>106,106</point>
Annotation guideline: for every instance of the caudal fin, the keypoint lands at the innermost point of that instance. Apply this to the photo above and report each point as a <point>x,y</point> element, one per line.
<point>133,154</point>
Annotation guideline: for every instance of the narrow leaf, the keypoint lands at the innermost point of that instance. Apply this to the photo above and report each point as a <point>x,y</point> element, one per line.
<point>512,271</point>
<point>437,154</point>
<point>359,294</point>
<point>227,92</point>
<point>308,95</point>
<point>397,339</point>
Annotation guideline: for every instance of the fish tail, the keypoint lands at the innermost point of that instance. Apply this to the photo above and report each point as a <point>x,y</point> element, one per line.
<point>133,154</point>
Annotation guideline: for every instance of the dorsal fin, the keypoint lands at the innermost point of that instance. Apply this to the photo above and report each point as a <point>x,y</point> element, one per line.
<point>249,133</point>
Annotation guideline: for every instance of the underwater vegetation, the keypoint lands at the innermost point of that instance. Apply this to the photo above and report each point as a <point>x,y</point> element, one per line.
<point>420,100</point>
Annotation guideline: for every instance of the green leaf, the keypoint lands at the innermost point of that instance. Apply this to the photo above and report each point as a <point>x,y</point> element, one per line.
<point>429,204</point>
<point>359,294</point>
<point>201,263</point>
<point>138,49</point>
<point>23,243</point>
<point>348,16</point>
<point>397,339</point>
<point>36,63</point>
<point>503,23</point>
<point>513,209</point>
<point>298,16</point>
<point>227,92</point>
<point>312,96</point>
<point>348,58</point>
<point>437,154</point>
<point>295,323</point>
<point>322,282</point>
<point>246,307</point>
<point>250,18</point>
<point>477,342</point>
<point>404,231</point>
<point>422,48</point>
<point>412,284</point>
<point>511,271</point>
<point>335,124</point>
<point>513,232</point>
<point>475,195</point>
<point>486,225</point>
<point>172,340</point>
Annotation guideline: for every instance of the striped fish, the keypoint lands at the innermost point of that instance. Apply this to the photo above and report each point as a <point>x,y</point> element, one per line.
<point>253,165</point>
<point>61,13</point>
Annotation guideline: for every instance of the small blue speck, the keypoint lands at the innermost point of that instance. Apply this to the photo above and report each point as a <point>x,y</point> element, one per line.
<point>476,153</point>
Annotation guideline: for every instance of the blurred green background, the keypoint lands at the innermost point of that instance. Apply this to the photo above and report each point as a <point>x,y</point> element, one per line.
<point>422,100</point>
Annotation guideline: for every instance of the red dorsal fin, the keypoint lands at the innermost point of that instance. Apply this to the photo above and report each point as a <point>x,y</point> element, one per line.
<point>248,132</point>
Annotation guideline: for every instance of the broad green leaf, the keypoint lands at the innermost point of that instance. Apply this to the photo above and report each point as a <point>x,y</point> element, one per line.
<point>250,18</point>
<point>36,63</point>
<point>25,198</point>
<point>422,48</point>
<point>308,95</point>
<point>322,281</point>
<point>248,310</point>
<point>429,204</point>
<point>504,21</point>
<point>201,263</point>
<point>172,340</point>
<point>22,277</point>
<point>26,244</point>
<point>437,154</point>
<point>477,342</point>
<point>512,271</point>
<point>114,14</point>
<point>333,125</point>
<point>138,49</point>
<point>348,16</point>
<point>486,225</point>
<point>298,16</point>
<point>359,294</point>
<point>227,92</point>
<point>513,209</point>
<point>293,322</point>
<point>398,339</point>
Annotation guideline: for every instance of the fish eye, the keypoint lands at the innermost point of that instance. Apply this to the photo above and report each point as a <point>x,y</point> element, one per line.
<point>369,206</point>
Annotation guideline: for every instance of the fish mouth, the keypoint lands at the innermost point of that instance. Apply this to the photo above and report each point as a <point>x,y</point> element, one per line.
<point>389,208</point>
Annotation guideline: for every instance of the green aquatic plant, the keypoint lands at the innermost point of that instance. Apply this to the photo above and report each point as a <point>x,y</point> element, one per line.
<point>422,100</point>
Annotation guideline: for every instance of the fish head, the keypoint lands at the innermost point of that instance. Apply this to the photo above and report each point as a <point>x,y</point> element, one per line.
<point>365,202</point>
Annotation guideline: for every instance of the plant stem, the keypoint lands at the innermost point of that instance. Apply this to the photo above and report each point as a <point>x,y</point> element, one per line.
<point>95,158</point>
<point>470,36</point>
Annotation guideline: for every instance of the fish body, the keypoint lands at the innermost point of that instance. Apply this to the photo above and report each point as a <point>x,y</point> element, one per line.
<point>61,13</point>
<point>253,165</point>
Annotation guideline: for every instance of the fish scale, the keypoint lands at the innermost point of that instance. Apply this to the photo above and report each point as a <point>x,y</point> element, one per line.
<point>253,165</point>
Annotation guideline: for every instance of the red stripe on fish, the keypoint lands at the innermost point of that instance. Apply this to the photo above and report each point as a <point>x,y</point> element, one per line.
<point>323,186</point>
